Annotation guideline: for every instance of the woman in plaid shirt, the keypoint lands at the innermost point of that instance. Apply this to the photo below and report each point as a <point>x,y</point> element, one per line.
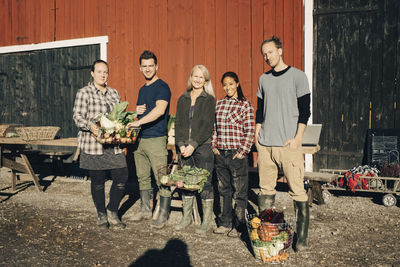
<point>232,140</point>
<point>101,161</point>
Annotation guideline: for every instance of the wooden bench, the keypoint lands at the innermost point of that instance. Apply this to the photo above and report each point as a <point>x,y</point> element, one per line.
<point>315,179</point>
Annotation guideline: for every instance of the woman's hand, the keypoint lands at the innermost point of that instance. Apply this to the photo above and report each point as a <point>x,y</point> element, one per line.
<point>216,152</point>
<point>238,156</point>
<point>94,129</point>
<point>187,151</point>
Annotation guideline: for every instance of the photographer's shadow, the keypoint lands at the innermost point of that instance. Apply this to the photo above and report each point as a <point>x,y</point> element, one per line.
<point>175,253</point>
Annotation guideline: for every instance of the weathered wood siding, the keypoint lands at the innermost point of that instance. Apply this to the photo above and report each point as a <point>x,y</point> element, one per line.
<point>38,88</point>
<point>356,74</point>
<point>221,34</point>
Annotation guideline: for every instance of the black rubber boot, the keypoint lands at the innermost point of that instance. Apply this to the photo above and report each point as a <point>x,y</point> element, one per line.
<point>114,220</point>
<point>165,204</point>
<point>265,202</point>
<point>102,220</point>
<point>146,197</point>
<point>303,220</point>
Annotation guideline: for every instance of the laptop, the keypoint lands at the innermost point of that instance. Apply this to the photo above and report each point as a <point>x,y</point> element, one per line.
<point>311,135</point>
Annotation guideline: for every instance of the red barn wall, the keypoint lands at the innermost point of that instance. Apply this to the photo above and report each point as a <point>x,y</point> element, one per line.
<point>221,34</point>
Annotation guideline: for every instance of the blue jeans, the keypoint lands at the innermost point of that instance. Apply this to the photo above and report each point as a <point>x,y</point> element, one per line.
<point>202,157</point>
<point>233,182</point>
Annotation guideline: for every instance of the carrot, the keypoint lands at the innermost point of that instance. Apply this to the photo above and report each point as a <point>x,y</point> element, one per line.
<point>263,258</point>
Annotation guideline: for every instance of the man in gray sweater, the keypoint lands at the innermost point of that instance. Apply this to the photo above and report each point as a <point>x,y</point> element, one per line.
<point>283,110</point>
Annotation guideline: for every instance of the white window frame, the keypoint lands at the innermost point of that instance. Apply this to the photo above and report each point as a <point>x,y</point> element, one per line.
<point>102,40</point>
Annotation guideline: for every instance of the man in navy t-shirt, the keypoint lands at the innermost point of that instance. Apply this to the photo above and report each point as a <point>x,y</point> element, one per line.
<point>151,153</point>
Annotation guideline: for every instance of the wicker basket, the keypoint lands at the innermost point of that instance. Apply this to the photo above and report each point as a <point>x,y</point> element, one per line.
<point>37,133</point>
<point>193,182</point>
<point>6,129</point>
<point>275,245</point>
<point>3,128</point>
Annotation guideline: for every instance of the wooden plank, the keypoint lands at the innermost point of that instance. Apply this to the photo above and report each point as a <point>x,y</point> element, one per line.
<point>5,21</point>
<point>220,41</point>
<point>244,58</point>
<point>204,36</point>
<point>288,33</point>
<point>257,60</point>
<point>384,118</point>
<point>11,164</point>
<point>269,19</point>
<point>232,30</point>
<point>180,44</point>
<point>30,172</point>
<point>320,176</point>
<point>279,21</point>
<point>352,99</point>
<point>298,35</point>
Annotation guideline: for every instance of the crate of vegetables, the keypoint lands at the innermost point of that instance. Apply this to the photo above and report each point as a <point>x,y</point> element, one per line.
<point>113,127</point>
<point>186,178</point>
<point>271,237</point>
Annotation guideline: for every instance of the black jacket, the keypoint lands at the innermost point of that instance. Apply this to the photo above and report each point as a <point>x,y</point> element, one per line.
<point>202,121</point>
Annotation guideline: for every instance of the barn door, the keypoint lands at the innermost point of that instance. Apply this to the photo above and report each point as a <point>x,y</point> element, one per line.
<point>38,88</point>
<point>356,76</point>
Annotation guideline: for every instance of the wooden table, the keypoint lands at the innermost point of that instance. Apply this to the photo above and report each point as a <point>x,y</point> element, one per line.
<point>11,148</point>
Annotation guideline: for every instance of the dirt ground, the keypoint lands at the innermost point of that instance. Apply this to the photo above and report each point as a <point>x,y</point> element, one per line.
<point>57,227</point>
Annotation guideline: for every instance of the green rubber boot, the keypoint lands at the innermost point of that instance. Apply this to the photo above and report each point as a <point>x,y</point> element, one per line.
<point>265,202</point>
<point>165,204</point>
<point>187,213</point>
<point>206,225</point>
<point>303,220</point>
<point>146,197</point>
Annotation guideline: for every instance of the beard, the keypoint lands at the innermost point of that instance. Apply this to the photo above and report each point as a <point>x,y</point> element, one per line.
<point>150,78</point>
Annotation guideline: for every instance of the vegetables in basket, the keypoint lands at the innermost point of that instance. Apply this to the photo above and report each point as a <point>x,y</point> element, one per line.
<point>113,125</point>
<point>190,178</point>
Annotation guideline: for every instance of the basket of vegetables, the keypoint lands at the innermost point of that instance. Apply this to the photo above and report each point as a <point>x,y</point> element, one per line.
<point>113,127</point>
<point>187,178</point>
<point>271,237</point>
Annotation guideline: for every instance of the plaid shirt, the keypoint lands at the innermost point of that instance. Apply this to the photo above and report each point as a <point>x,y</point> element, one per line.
<point>89,102</point>
<point>234,125</point>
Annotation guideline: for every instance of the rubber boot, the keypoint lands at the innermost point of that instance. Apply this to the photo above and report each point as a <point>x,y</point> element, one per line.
<point>265,202</point>
<point>206,225</point>
<point>303,220</point>
<point>114,220</point>
<point>165,204</point>
<point>102,220</point>
<point>187,213</point>
<point>146,197</point>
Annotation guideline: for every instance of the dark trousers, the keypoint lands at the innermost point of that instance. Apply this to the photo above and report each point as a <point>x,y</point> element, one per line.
<point>202,157</point>
<point>98,178</point>
<point>233,182</point>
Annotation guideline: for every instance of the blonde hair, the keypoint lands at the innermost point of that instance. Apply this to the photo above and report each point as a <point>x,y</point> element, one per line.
<point>208,88</point>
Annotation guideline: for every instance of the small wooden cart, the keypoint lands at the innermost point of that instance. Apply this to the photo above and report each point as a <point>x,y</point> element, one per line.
<point>388,186</point>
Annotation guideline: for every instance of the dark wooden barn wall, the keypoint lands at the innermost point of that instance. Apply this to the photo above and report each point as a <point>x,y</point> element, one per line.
<point>29,97</point>
<point>221,34</point>
<point>356,74</point>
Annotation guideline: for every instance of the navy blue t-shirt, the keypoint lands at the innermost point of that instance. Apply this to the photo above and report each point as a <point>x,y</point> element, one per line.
<point>158,90</point>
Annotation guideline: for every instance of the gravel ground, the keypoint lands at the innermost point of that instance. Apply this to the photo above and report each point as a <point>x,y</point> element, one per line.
<point>57,228</point>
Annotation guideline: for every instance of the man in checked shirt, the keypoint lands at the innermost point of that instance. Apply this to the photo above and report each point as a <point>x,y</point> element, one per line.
<point>232,140</point>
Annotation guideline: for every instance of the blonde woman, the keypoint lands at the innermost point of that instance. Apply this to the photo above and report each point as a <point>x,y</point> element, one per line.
<point>195,116</point>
